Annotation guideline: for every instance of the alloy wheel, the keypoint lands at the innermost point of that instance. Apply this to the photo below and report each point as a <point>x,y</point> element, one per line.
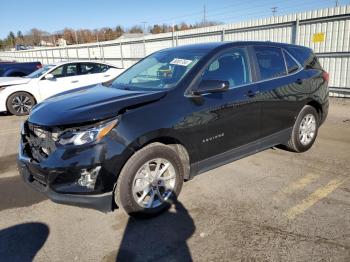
<point>307,129</point>
<point>154,183</point>
<point>22,104</point>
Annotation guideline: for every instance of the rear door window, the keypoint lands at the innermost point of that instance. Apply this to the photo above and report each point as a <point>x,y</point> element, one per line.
<point>92,68</point>
<point>270,62</point>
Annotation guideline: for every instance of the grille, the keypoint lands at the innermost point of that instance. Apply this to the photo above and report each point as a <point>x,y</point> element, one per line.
<point>40,141</point>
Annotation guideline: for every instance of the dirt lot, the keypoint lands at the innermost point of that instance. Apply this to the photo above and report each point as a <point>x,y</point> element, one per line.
<point>273,206</point>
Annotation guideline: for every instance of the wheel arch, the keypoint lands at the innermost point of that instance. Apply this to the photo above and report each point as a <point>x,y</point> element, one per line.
<point>19,91</point>
<point>17,73</point>
<point>14,72</point>
<point>177,145</point>
<point>170,141</point>
<point>317,106</point>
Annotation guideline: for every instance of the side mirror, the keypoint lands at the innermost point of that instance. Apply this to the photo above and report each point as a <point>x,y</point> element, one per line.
<point>49,77</point>
<point>211,86</point>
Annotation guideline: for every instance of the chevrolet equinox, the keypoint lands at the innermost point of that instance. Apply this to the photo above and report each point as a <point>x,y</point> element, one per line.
<point>178,112</point>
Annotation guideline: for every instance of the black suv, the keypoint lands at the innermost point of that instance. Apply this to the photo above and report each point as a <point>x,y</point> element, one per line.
<point>176,113</point>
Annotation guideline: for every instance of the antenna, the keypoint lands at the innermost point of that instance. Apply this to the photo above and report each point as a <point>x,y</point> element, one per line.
<point>274,10</point>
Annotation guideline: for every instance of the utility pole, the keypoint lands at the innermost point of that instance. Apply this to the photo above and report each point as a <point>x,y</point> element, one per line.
<point>274,10</point>
<point>336,3</point>
<point>144,27</point>
<point>144,41</point>
<point>204,15</point>
<point>76,37</point>
<point>172,34</point>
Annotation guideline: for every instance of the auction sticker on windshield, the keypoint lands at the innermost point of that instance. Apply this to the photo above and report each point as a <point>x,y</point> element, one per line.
<point>181,62</point>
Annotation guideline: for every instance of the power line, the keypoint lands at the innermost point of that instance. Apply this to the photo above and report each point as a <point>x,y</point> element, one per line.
<point>258,12</point>
<point>216,14</point>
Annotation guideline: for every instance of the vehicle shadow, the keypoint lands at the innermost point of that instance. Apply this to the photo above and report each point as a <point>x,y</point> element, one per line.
<point>160,238</point>
<point>8,163</point>
<point>15,193</point>
<point>22,242</point>
<point>4,114</point>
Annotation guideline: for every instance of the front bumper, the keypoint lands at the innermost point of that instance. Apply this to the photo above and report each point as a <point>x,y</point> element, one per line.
<point>57,176</point>
<point>2,103</point>
<point>101,202</point>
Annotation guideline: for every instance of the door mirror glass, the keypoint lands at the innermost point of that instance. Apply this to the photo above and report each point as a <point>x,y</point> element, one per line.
<point>49,77</point>
<point>211,86</point>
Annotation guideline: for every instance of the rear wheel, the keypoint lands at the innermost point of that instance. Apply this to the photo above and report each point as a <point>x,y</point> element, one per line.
<point>150,181</point>
<point>20,103</point>
<point>305,130</point>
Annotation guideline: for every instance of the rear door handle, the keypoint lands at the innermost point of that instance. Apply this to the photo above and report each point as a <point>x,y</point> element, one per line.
<point>107,75</point>
<point>299,81</point>
<point>251,93</point>
<point>75,81</point>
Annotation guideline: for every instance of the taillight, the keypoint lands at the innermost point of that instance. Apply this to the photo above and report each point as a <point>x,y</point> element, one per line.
<point>325,76</point>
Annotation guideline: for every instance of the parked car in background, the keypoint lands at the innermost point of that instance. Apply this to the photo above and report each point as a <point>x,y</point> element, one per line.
<point>19,95</point>
<point>176,113</point>
<point>18,69</point>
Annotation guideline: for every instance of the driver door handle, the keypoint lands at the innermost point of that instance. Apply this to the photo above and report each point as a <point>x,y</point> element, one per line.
<point>299,81</point>
<point>251,93</point>
<point>74,81</point>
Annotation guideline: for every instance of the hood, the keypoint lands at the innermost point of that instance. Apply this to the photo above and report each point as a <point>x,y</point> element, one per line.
<point>88,105</point>
<point>7,81</point>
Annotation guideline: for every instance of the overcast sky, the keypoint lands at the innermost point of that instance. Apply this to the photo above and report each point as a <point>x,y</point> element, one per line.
<point>52,16</point>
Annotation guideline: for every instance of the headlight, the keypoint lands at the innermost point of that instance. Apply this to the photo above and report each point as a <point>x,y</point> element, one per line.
<point>82,137</point>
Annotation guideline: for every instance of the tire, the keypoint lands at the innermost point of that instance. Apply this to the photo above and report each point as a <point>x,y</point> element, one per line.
<point>135,176</point>
<point>20,103</point>
<point>298,142</point>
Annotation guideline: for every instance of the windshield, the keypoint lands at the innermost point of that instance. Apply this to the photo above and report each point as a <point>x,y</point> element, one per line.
<point>161,70</point>
<point>40,71</point>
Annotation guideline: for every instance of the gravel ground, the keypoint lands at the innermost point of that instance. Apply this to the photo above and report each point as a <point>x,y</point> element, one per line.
<point>272,206</point>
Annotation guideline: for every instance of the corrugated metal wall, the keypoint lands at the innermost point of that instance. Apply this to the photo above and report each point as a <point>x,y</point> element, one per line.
<point>300,28</point>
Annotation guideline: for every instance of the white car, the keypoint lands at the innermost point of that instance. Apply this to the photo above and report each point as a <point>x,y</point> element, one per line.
<point>19,94</point>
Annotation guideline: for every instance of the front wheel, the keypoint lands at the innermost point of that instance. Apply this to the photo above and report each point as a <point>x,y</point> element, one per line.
<point>305,130</point>
<point>20,103</point>
<point>150,181</point>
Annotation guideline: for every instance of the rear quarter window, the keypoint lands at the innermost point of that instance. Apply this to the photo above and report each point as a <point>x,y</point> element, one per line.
<point>292,66</point>
<point>306,57</point>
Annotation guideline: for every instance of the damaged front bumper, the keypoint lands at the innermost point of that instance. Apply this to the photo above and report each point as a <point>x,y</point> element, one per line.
<point>76,175</point>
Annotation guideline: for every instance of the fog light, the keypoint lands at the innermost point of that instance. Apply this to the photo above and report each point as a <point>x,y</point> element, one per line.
<point>88,177</point>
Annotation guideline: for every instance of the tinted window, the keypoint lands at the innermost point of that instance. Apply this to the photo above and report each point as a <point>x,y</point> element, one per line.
<point>232,66</point>
<point>161,70</point>
<point>65,70</point>
<point>292,66</point>
<point>306,57</point>
<point>92,68</point>
<point>270,62</point>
